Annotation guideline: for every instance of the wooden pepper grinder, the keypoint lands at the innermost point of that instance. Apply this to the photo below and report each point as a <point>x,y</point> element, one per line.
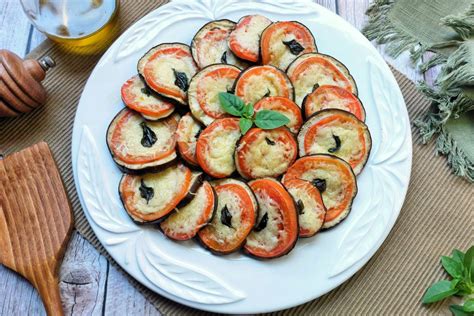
<point>20,83</point>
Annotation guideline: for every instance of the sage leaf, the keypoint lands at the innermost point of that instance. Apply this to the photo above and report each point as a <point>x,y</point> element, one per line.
<point>267,119</point>
<point>245,125</point>
<point>438,291</point>
<point>231,104</point>
<point>453,267</point>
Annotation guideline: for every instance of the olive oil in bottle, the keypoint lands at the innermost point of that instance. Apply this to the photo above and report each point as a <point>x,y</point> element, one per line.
<point>74,22</point>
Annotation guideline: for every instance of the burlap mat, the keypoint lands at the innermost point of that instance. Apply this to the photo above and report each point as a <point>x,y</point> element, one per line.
<point>438,214</point>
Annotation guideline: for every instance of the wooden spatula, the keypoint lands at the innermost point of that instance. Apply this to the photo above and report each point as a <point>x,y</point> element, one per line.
<point>35,220</point>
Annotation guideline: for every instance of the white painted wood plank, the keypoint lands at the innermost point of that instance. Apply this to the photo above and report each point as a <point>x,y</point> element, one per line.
<point>123,299</point>
<point>328,4</point>
<point>354,12</point>
<point>15,27</point>
<point>83,278</point>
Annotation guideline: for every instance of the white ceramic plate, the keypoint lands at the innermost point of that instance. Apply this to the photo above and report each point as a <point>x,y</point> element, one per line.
<point>186,273</point>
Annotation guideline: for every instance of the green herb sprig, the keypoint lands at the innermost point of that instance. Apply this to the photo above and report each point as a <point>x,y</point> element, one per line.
<point>460,266</point>
<point>265,119</point>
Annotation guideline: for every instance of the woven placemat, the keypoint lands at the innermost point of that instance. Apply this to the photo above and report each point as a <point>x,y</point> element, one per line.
<point>438,213</point>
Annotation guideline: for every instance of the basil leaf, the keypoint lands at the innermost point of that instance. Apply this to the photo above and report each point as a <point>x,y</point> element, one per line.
<point>294,46</point>
<point>146,193</point>
<point>453,267</point>
<point>232,104</point>
<point>438,291</point>
<point>149,137</point>
<point>181,80</point>
<point>267,119</point>
<point>245,125</point>
<point>248,111</point>
<point>458,310</point>
<point>458,255</point>
<point>262,224</point>
<point>226,217</point>
<point>469,306</point>
<point>469,263</point>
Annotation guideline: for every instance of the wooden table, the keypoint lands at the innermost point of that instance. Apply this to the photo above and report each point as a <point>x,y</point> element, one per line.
<point>89,284</point>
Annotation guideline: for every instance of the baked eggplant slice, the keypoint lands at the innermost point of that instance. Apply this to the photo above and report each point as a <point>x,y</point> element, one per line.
<point>282,42</point>
<point>244,41</point>
<point>312,70</point>
<point>185,222</point>
<point>276,232</point>
<point>259,82</point>
<point>265,153</point>
<point>138,145</point>
<point>167,69</point>
<point>284,106</point>
<point>309,204</point>
<point>235,217</point>
<point>333,97</point>
<point>187,135</point>
<point>338,133</point>
<point>149,198</point>
<point>216,146</point>
<point>137,96</point>
<point>204,91</point>
<point>209,45</point>
<point>335,180</point>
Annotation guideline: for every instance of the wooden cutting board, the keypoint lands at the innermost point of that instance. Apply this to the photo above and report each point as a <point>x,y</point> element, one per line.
<point>35,220</point>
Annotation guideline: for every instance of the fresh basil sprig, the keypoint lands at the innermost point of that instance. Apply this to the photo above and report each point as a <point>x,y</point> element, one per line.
<point>460,266</point>
<point>265,119</point>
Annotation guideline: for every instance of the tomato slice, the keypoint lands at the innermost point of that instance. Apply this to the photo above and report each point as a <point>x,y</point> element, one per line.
<point>335,180</point>
<point>310,206</point>
<point>169,187</point>
<point>169,70</point>
<point>282,42</point>
<point>128,133</point>
<point>277,228</point>
<point>333,97</point>
<point>338,133</point>
<point>138,97</point>
<point>312,70</point>
<point>185,223</point>
<point>234,218</point>
<point>284,106</point>
<point>265,153</point>
<point>205,88</point>
<point>216,145</point>
<point>186,136</point>
<point>244,41</point>
<point>258,82</point>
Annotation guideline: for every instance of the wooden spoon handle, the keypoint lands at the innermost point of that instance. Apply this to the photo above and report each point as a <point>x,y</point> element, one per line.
<point>48,289</point>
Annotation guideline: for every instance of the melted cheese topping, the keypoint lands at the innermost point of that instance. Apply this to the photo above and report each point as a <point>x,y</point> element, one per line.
<point>312,218</point>
<point>221,233</point>
<point>336,187</point>
<point>132,134</point>
<point>268,238</point>
<point>268,160</point>
<point>258,86</point>
<point>188,128</point>
<point>220,152</point>
<point>188,219</point>
<point>164,65</point>
<point>281,56</point>
<point>316,73</point>
<point>328,101</point>
<point>248,36</point>
<point>165,185</point>
<point>209,89</point>
<point>351,146</point>
<point>145,100</point>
